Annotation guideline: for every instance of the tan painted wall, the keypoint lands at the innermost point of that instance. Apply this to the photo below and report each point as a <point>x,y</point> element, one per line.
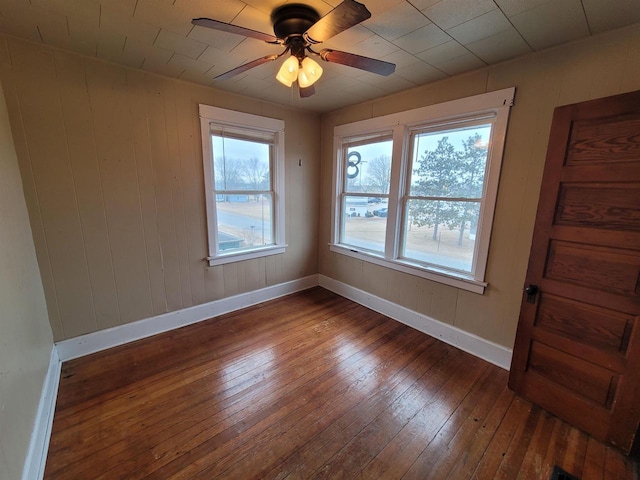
<point>25,334</point>
<point>112,167</point>
<point>597,67</point>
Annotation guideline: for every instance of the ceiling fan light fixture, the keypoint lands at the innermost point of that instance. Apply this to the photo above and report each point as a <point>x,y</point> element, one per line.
<point>297,28</point>
<point>288,72</point>
<point>309,73</point>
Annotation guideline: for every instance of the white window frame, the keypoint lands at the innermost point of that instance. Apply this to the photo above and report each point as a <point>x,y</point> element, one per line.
<point>249,122</point>
<point>496,104</point>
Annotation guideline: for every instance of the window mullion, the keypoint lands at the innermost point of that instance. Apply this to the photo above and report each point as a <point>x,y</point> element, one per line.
<point>395,213</point>
<point>337,191</point>
<point>445,199</point>
<point>243,192</point>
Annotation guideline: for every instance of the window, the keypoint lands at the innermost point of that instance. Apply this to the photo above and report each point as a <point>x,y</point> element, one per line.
<point>415,191</point>
<point>243,157</point>
<point>366,191</point>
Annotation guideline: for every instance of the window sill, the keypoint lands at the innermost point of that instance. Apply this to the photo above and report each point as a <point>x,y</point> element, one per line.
<point>247,255</point>
<point>448,278</point>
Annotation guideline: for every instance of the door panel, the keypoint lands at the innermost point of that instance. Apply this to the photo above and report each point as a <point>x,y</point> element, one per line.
<point>577,350</point>
<point>589,325</point>
<point>610,207</point>
<point>604,140</point>
<point>602,268</point>
<point>584,378</point>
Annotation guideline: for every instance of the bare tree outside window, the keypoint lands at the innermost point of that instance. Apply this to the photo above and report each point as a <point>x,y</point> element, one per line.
<point>228,173</point>
<point>255,173</point>
<point>379,174</point>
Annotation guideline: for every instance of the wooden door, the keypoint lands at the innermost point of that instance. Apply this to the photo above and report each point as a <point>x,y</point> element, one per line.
<point>577,349</point>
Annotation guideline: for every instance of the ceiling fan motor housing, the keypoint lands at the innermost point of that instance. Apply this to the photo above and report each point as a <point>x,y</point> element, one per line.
<point>293,19</point>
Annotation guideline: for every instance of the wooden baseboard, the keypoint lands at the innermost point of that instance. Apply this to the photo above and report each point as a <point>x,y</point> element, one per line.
<point>39,444</point>
<point>468,342</point>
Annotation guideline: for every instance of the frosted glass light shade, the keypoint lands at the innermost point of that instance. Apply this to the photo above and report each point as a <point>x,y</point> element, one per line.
<point>309,73</point>
<point>288,72</point>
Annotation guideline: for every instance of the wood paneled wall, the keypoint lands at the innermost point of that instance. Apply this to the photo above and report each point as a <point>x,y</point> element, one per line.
<point>111,161</point>
<point>599,66</point>
<point>25,335</point>
<point>111,164</point>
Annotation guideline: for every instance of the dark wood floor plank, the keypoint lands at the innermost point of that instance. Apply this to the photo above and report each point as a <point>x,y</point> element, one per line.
<point>206,358</point>
<point>338,381</point>
<point>533,462</point>
<point>316,413</point>
<point>201,343</point>
<point>556,448</point>
<point>157,391</point>
<point>201,440</point>
<point>453,441</point>
<point>595,461</point>
<point>152,406</point>
<point>514,455</point>
<point>307,386</point>
<point>518,413</point>
<point>471,455</point>
<point>328,431</point>
<point>424,427</point>
<point>574,457</point>
<point>188,429</point>
<point>174,380</point>
<point>409,441</point>
<point>368,443</point>
<point>617,467</point>
<point>336,435</point>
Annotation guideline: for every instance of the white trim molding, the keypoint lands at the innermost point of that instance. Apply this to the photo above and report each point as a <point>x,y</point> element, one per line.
<point>40,435</point>
<point>113,337</point>
<point>122,334</point>
<point>219,123</point>
<point>487,113</point>
<point>468,342</point>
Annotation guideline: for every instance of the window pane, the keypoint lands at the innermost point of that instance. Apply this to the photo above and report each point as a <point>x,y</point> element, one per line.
<point>240,164</point>
<point>244,221</point>
<point>368,167</point>
<point>441,233</point>
<point>450,163</point>
<point>364,223</point>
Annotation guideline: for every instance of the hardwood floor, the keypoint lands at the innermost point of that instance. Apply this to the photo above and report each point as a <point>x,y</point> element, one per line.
<point>307,386</point>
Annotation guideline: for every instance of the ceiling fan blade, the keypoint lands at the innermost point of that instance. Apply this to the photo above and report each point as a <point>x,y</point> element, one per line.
<point>344,16</point>
<point>243,68</point>
<point>227,27</point>
<point>357,61</point>
<point>306,92</point>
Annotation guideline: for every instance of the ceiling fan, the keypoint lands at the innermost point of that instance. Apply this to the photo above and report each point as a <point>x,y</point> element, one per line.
<point>299,28</point>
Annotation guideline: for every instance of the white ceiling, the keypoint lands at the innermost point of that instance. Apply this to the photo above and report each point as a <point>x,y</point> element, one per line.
<point>427,39</point>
